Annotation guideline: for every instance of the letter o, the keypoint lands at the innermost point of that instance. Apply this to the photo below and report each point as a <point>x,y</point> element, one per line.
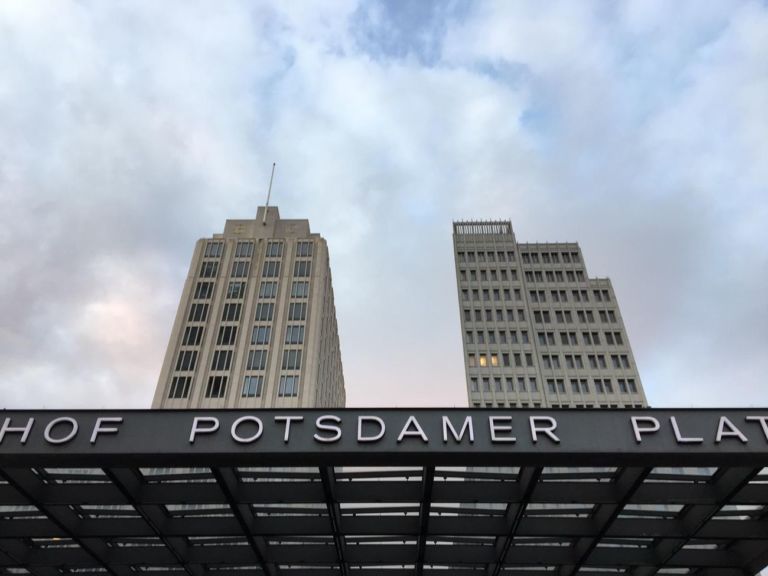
<point>247,439</point>
<point>53,423</point>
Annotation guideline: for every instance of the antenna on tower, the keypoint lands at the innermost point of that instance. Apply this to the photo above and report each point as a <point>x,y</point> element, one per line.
<point>269,193</point>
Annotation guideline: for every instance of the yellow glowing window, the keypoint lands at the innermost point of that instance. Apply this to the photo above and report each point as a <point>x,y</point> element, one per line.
<point>483,360</point>
<point>494,360</point>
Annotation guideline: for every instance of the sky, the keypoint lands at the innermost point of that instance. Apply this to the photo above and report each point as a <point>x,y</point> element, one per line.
<point>128,130</point>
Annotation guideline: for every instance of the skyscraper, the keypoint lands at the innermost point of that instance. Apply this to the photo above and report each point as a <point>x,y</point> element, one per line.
<point>537,330</point>
<point>256,324</point>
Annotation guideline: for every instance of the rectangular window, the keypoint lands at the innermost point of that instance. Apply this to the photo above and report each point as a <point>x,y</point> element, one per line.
<point>227,335</point>
<point>244,250</point>
<point>198,313</point>
<point>213,249</point>
<point>231,312</point>
<point>264,311</point>
<point>294,334</point>
<point>257,360</point>
<point>222,360</point>
<point>240,268</point>
<point>186,360</point>
<point>252,386</point>
<point>271,269</point>
<point>300,290</point>
<point>274,249</point>
<point>260,334</point>
<point>209,269</point>
<point>289,386</point>
<point>297,311</point>
<point>192,336</point>
<point>302,268</point>
<point>268,290</point>
<point>179,387</point>
<point>304,249</point>
<point>291,359</point>
<point>236,290</point>
<point>203,290</point>
<point>217,386</point>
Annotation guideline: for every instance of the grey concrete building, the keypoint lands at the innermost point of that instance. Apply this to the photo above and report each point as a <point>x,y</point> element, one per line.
<point>256,324</point>
<point>537,330</point>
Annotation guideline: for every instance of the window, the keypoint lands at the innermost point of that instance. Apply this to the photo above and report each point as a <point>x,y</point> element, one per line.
<point>186,360</point>
<point>231,312</point>
<point>297,311</point>
<point>209,269</point>
<point>291,359</point>
<point>622,385</point>
<point>486,384</point>
<point>260,334</point>
<point>294,334</point>
<point>236,290</point>
<point>521,384</point>
<point>274,249</point>
<point>240,268</point>
<point>534,384</point>
<point>198,313</point>
<point>203,290</point>
<point>213,249</point>
<point>300,290</point>
<point>483,360</point>
<point>227,335</point>
<point>302,268</point>
<point>264,311</point>
<point>222,360</point>
<point>304,249</point>
<point>473,384</point>
<point>271,269</point>
<point>481,337</point>
<point>632,386</point>
<point>289,386</point>
<point>257,360</point>
<point>192,336</point>
<point>551,386</point>
<point>252,386</point>
<point>217,386</point>
<point>268,289</point>
<point>179,387</point>
<point>497,384</point>
<point>244,250</point>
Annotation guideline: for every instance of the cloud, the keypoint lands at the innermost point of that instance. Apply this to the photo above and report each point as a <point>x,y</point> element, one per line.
<point>126,134</point>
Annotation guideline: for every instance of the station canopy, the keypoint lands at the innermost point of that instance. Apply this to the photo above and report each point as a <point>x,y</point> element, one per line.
<point>384,492</point>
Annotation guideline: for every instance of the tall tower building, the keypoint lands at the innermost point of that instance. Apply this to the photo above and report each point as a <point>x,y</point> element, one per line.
<point>537,330</point>
<point>256,324</point>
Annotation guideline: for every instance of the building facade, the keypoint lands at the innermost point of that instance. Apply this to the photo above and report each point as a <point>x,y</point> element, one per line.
<point>256,324</point>
<point>537,330</point>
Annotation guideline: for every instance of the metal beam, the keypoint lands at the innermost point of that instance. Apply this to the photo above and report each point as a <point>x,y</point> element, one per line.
<point>334,514</point>
<point>425,506</point>
<point>229,485</point>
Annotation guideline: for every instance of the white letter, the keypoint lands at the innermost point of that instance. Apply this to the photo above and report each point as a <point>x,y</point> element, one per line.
<point>108,430</point>
<point>648,420</point>
<point>214,425</point>
<point>320,425</point>
<point>24,431</point>
<point>247,439</point>
<point>492,423</point>
<point>732,430</point>
<point>458,436</point>
<point>679,438</point>
<point>377,437</point>
<point>417,432</point>
<point>52,424</point>
<point>763,424</point>
<point>548,430</point>
<point>288,420</point>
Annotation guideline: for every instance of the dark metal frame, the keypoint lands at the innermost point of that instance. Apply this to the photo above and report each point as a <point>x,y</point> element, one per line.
<point>378,515</point>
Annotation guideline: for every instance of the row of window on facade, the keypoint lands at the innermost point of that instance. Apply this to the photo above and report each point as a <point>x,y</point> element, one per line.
<point>554,385</point>
<point>487,256</point>
<point>236,289</point>
<point>554,276</point>
<point>601,295</point>
<point>544,338</point>
<point>549,361</point>
<point>241,269</point>
<point>245,249</point>
<point>566,316</point>
<point>260,335</point>
<point>550,257</point>
<point>493,275</point>
<point>216,387</point>
<point>231,312</point>
<point>222,360</point>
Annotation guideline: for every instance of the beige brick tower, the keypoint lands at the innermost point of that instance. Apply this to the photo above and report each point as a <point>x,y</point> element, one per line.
<point>537,331</point>
<point>256,324</point>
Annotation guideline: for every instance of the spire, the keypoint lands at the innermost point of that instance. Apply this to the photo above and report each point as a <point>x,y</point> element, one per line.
<point>269,193</point>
